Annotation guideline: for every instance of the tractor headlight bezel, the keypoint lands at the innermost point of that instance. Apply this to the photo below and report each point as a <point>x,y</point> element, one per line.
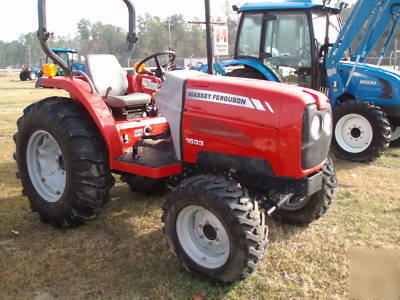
<point>317,134</point>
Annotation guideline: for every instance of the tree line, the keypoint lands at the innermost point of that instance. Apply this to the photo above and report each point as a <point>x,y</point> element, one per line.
<point>155,34</point>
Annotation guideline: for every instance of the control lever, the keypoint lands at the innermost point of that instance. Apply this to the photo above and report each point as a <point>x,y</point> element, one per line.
<point>108,91</point>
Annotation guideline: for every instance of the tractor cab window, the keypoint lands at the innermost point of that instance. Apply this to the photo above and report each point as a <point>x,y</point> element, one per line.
<point>68,57</point>
<point>72,57</point>
<point>63,56</point>
<point>250,35</point>
<point>319,22</point>
<point>287,47</point>
<point>334,28</point>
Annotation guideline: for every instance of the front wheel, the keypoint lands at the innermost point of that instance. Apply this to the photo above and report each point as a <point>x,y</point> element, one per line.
<point>32,75</point>
<point>361,131</point>
<point>395,138</point>
<point>303,211</point>
<point>214,228</point>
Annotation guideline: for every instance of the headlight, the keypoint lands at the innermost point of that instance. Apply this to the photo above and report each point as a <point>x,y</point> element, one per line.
<point>315,139</point>
<point>316,128</point>
<point>327,124</point>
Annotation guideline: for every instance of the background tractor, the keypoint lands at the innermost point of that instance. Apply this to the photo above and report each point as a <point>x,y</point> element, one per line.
<point>301,42</point>
<point>70,56</point>
<point>29,74</point>
<point>230,150</point>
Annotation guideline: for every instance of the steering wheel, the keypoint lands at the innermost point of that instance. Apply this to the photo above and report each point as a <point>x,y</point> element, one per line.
<point>160,71</point>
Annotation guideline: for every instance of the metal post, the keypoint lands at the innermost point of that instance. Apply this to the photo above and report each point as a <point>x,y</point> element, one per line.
<point>169,36</point>
<point>29,57</point>
<point>209,40</point>
<point>395,54</point>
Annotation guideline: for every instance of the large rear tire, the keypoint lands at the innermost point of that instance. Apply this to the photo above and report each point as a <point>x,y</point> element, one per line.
<point>303,212</point>
<point>246,73</point>
<point>24,75</point>
<point>62,162</point>
<point>361,131</point>
<point>214,228</point>
<point>144,185</point>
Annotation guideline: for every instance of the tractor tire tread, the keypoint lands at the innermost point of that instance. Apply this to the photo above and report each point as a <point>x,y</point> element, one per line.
<point>318,204</point>
<point>146,186</point>
<point>248,225</point>
<point>246,73</point>
<point>91,181</point>
<point>380,125</point>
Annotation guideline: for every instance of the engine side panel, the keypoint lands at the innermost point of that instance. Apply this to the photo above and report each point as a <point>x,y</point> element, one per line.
<point>244,118</point>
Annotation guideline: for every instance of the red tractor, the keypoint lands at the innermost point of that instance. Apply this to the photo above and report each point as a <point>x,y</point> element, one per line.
<point>229,149</point>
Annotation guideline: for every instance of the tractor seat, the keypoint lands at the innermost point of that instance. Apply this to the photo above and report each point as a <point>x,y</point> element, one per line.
<point>106,72</point>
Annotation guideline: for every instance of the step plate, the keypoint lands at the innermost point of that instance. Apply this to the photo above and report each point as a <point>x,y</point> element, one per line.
<point>152,154</point>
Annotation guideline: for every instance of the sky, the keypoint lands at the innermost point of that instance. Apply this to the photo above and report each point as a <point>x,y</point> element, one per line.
<point>20,16</point>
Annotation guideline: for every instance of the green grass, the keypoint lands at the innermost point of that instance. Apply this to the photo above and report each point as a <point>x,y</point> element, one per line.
<point>123,254</point>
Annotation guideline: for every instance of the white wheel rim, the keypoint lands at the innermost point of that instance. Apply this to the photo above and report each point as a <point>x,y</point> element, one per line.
<point>46,166</point>
<point>354,133</point>
<point>395,134</point>
<point>203,237</point>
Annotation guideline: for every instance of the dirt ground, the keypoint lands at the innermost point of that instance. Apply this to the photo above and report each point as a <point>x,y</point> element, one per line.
<point>123,254</point>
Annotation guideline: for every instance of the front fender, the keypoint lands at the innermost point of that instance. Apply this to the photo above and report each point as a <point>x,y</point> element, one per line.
<point>79,90</point>
<point>270,76</point>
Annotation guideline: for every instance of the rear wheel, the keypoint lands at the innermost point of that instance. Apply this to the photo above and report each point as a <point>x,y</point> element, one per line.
<point>24,75</point>
<point>246,73</point>
<point>361,131</point>
<point>214,228</point>
<point>62,162</point>
<point>144,185</point>
<point>303,211</point>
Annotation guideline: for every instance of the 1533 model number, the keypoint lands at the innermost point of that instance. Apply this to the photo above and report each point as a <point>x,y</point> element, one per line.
<point>195,142</point>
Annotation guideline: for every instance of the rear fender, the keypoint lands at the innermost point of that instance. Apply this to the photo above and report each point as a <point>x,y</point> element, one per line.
<point>79,90</point>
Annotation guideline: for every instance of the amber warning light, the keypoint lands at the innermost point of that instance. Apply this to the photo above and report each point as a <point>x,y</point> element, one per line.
<point>49,70</point>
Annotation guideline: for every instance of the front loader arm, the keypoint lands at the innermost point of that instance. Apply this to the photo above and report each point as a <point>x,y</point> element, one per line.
<point>377,15</point>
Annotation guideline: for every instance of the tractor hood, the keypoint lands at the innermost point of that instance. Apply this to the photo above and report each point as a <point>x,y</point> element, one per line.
<point>254,101</point>
<point>371,82</point>
<point>239,116</point>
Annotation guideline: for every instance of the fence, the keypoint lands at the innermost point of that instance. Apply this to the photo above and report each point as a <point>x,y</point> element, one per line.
<point>9,72</point>
<point>392,61</point>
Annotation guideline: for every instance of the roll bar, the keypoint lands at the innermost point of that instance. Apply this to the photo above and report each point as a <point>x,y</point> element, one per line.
<point>43,35</point>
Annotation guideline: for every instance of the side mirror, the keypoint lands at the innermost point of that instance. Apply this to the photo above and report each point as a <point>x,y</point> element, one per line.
<point>325,2</point>
<point>343,5</point>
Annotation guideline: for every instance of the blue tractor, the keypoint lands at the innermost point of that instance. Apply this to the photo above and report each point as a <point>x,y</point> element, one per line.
<point>70,56</point>
<point>302,42</point>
